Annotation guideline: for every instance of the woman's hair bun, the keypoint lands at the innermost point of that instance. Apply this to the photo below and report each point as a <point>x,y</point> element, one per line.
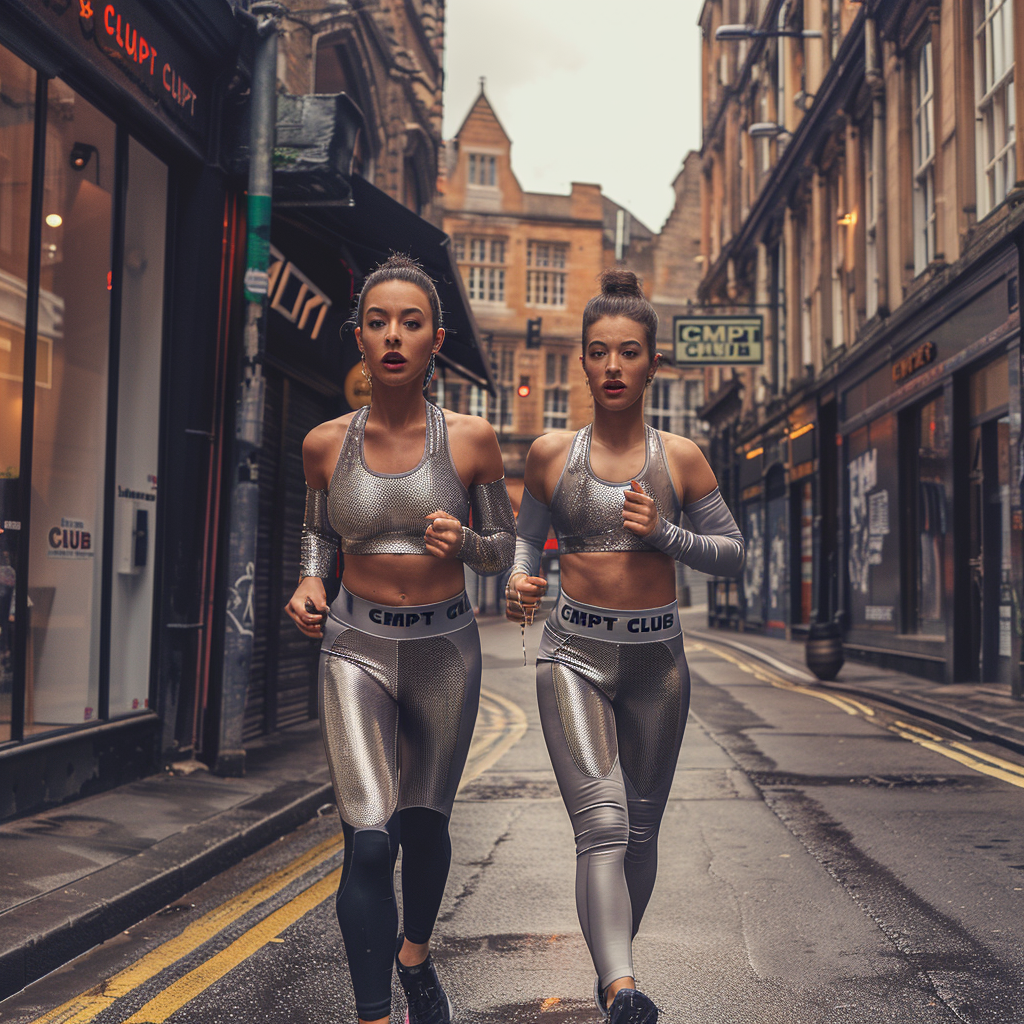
<point>400,259</point>
<point>621,282</point>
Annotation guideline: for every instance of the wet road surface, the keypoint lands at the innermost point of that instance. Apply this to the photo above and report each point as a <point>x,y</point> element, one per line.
<point>822,860</point>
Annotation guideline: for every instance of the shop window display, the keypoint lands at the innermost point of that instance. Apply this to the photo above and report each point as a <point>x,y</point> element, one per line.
<point>17,116</point>
<point>138,405</point>
<point>69,443</point>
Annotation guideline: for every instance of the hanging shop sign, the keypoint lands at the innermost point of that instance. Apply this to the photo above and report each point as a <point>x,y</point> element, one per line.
<point>913,361</point>
<point>718,340</point>
<point>125,36</point>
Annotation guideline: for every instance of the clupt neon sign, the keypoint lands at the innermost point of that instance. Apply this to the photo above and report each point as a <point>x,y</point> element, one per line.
<point>126,34</point>
<point>133,46</point>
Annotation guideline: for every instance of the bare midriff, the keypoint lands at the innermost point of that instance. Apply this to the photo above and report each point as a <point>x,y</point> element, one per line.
<point>403,579</point>
<point>619,579</point>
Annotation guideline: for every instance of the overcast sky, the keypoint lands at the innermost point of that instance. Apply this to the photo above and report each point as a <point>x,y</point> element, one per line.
<point>604,91</point>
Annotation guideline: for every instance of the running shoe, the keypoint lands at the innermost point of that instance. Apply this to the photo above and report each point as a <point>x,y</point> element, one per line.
<point>632,1007</point>
<point>599,1000</point>
<point>428,1002</point>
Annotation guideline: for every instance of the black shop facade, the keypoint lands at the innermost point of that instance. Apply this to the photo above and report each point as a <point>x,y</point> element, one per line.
<point>928,441</point>
<point>114,336</point>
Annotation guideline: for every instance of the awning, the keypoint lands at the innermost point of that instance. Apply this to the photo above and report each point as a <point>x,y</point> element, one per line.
<point>373,227</point>
<point>316,137</point>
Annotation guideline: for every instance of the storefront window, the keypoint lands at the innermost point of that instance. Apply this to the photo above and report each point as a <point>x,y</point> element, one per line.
<point>932,515</point>
<point>989,552</point>
<point>872,565</point>
<point>138,409</point>
<point>17,116</point>
<point>69,444</point>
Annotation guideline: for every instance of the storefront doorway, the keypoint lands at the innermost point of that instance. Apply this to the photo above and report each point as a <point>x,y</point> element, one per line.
<point>991,607</point>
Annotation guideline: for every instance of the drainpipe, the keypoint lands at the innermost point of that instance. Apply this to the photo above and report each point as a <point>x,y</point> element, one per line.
<point>876,83</point>
<point>244,501</point>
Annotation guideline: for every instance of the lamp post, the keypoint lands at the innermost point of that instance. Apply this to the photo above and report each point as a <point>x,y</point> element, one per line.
<point>728,33</point>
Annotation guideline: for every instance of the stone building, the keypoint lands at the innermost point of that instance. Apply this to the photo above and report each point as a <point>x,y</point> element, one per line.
<point>530,261</point>
<point>388,59</point>
<point>862,191</point>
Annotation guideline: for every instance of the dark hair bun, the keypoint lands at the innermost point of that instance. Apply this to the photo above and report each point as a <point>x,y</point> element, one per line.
<point>621,282</point>
<point>400,259</point>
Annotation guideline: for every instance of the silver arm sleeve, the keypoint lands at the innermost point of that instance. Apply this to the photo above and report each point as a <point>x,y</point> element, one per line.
<point>318,547</point>
<point>532,528</point>
<point>714,546</point>
<point>488,548</point>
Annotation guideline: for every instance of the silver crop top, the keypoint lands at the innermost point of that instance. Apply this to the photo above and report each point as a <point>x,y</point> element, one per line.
<point>586,511</point>
<point>385,513</point>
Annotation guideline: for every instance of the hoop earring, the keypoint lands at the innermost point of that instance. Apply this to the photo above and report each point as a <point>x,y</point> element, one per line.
<point>365,372</point>
<point>430,371</point>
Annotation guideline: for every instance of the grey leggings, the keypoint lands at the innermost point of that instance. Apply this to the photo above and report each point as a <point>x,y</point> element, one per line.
<point>613,716</point>
<point>399,689</point>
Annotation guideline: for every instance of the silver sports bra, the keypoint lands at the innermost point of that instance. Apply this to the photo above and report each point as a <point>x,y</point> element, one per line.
<point>385,513</point>
<point>586,511</point>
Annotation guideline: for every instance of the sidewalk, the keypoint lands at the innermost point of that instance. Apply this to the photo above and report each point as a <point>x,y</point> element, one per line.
<point>982,711</point>
<point>78,874</point>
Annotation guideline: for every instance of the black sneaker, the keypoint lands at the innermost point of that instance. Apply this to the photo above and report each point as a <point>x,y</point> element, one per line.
<point>599,998</point>
<point>632,1007</point>
<point>428,1002</point>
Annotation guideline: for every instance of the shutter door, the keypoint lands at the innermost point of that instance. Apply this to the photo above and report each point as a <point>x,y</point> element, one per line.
<point>283,679</point>
<point>256,703</point>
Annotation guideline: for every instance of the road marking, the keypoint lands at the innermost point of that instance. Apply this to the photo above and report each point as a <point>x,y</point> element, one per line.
<point>92,1003</point>
<point>500,725</point>
<point>190,985</point>
<point>962,753</point>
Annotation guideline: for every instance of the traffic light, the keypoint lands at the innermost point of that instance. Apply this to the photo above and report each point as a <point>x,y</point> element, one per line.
<point>523,391</point>
<point>533,333</point>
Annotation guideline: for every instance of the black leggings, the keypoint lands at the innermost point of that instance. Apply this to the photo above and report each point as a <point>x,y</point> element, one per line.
<point>367,909</point>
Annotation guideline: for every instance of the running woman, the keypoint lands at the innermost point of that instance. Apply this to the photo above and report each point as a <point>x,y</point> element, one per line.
<point>612,680</point>
<point>394,484</point>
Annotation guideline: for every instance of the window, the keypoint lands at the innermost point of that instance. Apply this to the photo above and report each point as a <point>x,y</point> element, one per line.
<point>693,400</point>
<point>870,220</point>
<point>477,401</point>
<point>483,170</point>
<point>544,286</point>
<point>996,113</point>
<point>485,277</point>
<point>499,415</point>
<point>931,515</point>
<point>924,159</point>
<point>87,572</point>
<point>659,404</point>
<point>556,391</point>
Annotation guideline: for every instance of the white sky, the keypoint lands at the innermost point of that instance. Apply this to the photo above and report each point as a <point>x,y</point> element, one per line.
<point>604,91</point>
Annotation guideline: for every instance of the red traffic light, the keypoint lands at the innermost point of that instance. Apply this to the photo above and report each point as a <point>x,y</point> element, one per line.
<point>523,390</point>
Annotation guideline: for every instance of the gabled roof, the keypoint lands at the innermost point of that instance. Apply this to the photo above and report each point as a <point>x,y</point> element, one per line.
<point>482,103</point>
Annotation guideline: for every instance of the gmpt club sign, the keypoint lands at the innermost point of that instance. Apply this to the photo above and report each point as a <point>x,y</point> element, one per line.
<point>718,340</point>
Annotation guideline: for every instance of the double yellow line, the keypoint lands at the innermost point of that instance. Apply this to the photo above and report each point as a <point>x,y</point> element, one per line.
<point>500,725</point>
<point>962,753</point>
<point>92,1003</point>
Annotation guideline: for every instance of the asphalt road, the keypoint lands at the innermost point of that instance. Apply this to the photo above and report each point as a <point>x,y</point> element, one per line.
<point>821,861</point>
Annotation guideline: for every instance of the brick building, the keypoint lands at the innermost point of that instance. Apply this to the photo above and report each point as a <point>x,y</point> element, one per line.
<point>861,181</point>
<point>529,257</point>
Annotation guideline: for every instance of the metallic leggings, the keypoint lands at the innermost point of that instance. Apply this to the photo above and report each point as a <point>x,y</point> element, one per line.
<point>613,713</point>
<point>399,690</point>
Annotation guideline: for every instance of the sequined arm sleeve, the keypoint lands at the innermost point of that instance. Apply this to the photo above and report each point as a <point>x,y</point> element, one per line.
<point>318,547</point>
<point>714,546</point>
<point>487,549</point>
<point>532,528</point>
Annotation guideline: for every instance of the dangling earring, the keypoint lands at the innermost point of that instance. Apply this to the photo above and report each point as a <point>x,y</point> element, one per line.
<point>650,380</point>
<point>365,372</point>
<point>430,371</point>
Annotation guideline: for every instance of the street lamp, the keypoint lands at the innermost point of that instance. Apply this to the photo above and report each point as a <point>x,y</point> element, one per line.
<point>730,32</point>
<point>766,130</point>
